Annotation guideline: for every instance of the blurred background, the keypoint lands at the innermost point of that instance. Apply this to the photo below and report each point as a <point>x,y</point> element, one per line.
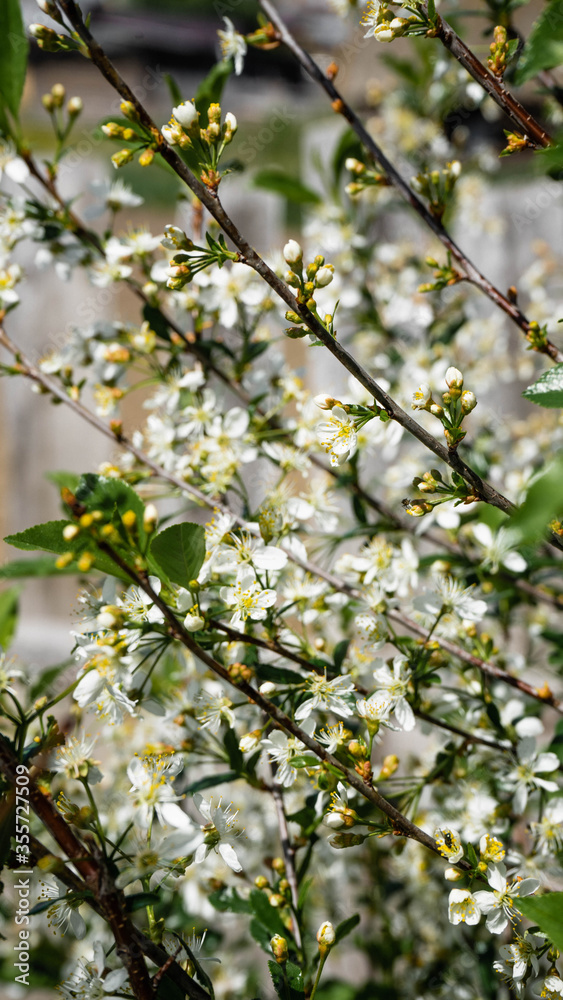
<point>285,122</point>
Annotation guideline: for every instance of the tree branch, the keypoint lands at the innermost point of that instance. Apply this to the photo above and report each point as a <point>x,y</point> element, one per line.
<point>395,178</point>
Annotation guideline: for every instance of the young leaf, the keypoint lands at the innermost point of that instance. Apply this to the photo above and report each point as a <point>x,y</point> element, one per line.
<point>49,537</point>
<point>544,500</point>
<point>544,48</point>
<point>345,928</point>
<point>109,496</point>
<point>13,63</point>
<point>290,187</point>
<point>39,567</point>
<point>180,551</point>
<point>267,915</point>
<point>548,389</point>
<point>8,615</point>
<point>210,781</point>
<point>547,912</point>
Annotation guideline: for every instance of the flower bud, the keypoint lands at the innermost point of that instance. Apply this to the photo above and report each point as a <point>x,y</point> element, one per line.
<point>70,532</point>
<point>278,945</point>
<point>185,114</point>
<point>120,159</point>
<point>129,111</point>
<point>324,277</point>
<point>58,93</point>
<point>49,8</point>
<point>150,517</point>
<point>326,936</point>
<point>355,166</point>
<point>390,765</point>
<point>452,875</point>
<point>292,252</point>
<point>193,622</point>
<point>325,402</point>
<point>454,378</point>
<point>343,840</point>
<point>267,688</point>
<point>468,401</point>
<point>249,742</point>
<point>74,107</point>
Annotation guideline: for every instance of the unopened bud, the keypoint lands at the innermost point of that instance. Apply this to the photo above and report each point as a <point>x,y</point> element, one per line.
<point>292,252</point>
<point>74,107</point>
<point>326,936</point>
<point>454,378</point>
<point>278,945</point>
<point>468,401</point>
<point>325,402</point>
<point>452,875</point>
<point>150,518</point>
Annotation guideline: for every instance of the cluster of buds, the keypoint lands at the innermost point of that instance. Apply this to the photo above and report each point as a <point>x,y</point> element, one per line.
<point>536,336</point>
<point>206,142</point>
<point>516,142</point>
<point>385,26</point>
<point>444,276</point>
<point>432,484</point>
<point>51,41</point>
<point>306,280</point>
<point>364,177</point>
<point>54,100</point>
<point>135,132</point>
<point>437,186</point>
<point>457,403</point>
<point>501,51</point>
<point>192,258</point>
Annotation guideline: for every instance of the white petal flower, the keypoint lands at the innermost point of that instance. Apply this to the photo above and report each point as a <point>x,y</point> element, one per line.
<point>338,436</point>
<point>463,907</point>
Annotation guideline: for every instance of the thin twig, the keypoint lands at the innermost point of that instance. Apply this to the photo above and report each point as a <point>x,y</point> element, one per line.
<point>492,84</point>
<point>395,178</point>
<point>288,852</point>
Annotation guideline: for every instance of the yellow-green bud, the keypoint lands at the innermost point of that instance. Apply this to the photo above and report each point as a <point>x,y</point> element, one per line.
<point>278,945</point>
<point>326,936</point>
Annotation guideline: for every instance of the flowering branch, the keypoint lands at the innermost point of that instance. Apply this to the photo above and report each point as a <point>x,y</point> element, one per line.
<point>249,256</point>
<point>27,369</point>
<point>341,107</point>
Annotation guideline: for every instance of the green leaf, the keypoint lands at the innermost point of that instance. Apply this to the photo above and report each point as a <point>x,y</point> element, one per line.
<point>267,915</point>
<point>9,600</point>
<point>346,927</point>
<point>40,567</point>
<point>290,187</point>
<point>339,654</point>
<point>231,744</point>
<point>61,479</point>
<point>111,496</point>
<point>544,48</point>
<point>46,679</point>
<point>544,500</point>
<point>305,760</point>
<point>548,389</point>
<point>180,551</point>
<point>175,92</point>
<point>294,977</point>
<point>13,63</point>
<point>210,781</point>
<point>228,900</point>
<point>156,321</point>
<point>547,912</point>
<point>49,537</point>
<point>138,901</point>
<point>211,88</point>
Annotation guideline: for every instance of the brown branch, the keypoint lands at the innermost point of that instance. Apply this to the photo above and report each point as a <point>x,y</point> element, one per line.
<point>492,84</point>
<point>249,256</point>
<point>395,178</point>
<point>92,868</point>
<point>156,954</point>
